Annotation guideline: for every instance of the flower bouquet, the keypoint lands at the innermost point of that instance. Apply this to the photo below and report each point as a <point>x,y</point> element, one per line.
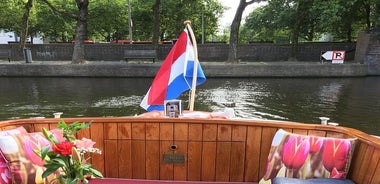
<point>65,157</point>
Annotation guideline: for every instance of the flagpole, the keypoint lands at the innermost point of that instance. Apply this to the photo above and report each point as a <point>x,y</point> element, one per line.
<point>195,71</point>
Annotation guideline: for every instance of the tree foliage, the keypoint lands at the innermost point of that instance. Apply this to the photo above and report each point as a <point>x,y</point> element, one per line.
<point>342,19</point>
<point>53,26</point>
<point>279,21</point>
<point>108,20</point>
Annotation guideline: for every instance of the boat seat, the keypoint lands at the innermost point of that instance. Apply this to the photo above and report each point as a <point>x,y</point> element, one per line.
<point>283,180</point>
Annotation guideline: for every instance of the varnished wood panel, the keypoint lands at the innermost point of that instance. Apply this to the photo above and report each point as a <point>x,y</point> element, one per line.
<point>237,161</point>
<point>194,160</point>
<point>223,161</point>
<point>180,170</point>
<point>153,157</point>
<point>371,168</point>
<point>376,174</point>
<point>300,131</point>
<point>317,133</point>
<point>208,161</point>
<point>53,126</point>
<point>335,134</point>
<point>138,131</point>
<point>9,127</point>
<point>181,131</point>
<point>239,133</point>
<point>166,170</point>
<point>124,131</point>
<point>195,132</point>
<point>110,131</point>
<point>96,132</point>
<point>38,127</point>
<point>138,159</point>
<point>357,161</point>
<point>209,132</point>
<point>81,134</point>
<point>253,153</point>
<point>266,142</point>
<point>166,131</point>
<point>288,129</point>
<point>111,156</point>
<point>224,133</point>
<point>152,131</point>
<point>365,163</point>
<point>125,159</point>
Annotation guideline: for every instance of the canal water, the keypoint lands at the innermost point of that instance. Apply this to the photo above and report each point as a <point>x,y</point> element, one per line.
<point>351,102</point>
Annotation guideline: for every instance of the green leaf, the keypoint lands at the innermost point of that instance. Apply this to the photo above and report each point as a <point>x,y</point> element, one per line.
<point>58,160</point>
<point>96,173</point>
<point>44,152</point>
<point>50,170</point>
<point>69,130</point>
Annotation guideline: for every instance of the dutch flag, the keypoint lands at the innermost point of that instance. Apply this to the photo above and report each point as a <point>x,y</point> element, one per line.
<point>175,75</point>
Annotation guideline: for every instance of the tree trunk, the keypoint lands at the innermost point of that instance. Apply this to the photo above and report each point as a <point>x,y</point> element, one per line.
<point>156,25</point>
<point>234,35</point>
<point>296,31</point>
<point>25,27</point>
<point>80,33</point>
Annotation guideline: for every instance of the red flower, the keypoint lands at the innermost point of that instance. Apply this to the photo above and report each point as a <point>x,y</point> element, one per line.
<point>64,148</point>
<point>335,154</point>
<point>295,151</point>
<point>315,144</point>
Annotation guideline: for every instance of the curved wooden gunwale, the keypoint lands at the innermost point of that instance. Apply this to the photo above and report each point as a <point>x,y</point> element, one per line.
<point>214,149</point>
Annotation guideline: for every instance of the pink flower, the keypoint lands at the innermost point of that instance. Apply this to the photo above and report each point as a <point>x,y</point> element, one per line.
<point>84,143</point>
<point>315,144</point>
<point>35,142</point>
<point>335,154</point>
<point>17,175</point>
<point>5,174</point>
<point>58,134</point>
<point>336,174</point>
<point>295,151</point>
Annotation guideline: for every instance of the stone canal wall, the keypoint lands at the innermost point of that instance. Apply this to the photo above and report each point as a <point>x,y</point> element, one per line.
<point>257,60</point>
<point>255,52</point>
<point>211,69</point>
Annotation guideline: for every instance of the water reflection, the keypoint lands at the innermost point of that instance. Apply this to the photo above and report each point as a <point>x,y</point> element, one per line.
<point>353,102</point>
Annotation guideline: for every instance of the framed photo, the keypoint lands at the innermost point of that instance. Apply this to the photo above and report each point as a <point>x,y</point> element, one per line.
<point>173,108</point>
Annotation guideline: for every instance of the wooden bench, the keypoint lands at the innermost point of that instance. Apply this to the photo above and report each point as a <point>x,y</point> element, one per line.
<point>140,54</point>
<point>5,53</point>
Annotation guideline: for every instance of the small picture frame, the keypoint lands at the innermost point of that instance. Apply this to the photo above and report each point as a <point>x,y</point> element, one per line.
<point>173,108</point>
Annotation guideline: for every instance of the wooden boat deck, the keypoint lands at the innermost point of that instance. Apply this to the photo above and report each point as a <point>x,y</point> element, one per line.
<point>213,150</point>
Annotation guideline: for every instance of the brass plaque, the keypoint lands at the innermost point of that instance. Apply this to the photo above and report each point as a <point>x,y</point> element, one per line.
<point>173,158</point>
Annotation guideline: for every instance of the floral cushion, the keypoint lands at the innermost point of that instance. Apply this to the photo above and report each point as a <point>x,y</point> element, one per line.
<point>302,156</point>
<point>24,164</point>
<point>5,174</point>
<point>18,130</point>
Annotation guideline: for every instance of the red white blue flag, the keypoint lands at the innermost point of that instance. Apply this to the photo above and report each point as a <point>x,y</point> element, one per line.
<point>175,75</point>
